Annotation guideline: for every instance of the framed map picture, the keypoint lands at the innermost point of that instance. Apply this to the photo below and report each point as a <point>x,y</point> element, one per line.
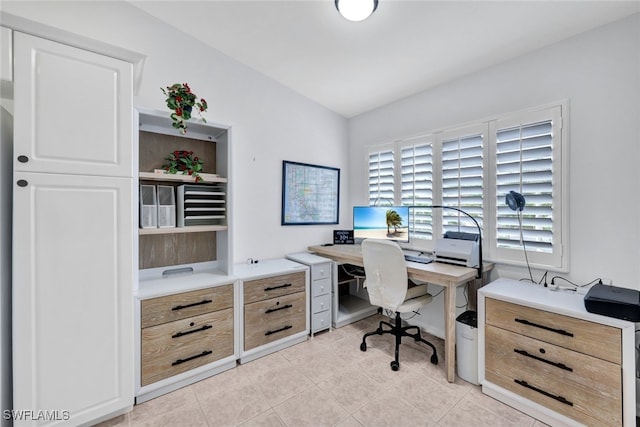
<point>310,194</point>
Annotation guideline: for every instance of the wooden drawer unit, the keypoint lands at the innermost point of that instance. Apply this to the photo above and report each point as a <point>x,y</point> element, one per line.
<point>261,289</point>
<point>184,331</point>
<point>275,296</point>
<point>179,306</point>
<point>577,385</point>
<point>171,348</point>
<point>580,335</point>
<point>541,352</point>
<point>274,318</point>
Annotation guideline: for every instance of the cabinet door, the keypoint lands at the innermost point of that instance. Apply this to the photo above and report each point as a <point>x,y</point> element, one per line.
<point>6,60</point>
<point>73,274</point>
<point>73,110</point>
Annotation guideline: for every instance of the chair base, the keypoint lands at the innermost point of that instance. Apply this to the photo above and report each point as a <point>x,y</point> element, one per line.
<point>399,331</point>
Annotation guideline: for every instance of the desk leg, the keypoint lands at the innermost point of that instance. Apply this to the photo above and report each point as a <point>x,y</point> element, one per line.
<point>450,332</point>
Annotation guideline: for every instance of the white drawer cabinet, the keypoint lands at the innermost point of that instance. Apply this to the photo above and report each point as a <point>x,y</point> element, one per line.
<point>320,308</point>
<point>544,354</point>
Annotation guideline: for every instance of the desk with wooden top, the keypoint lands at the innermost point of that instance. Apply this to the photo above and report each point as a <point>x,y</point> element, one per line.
<point>447,275</point>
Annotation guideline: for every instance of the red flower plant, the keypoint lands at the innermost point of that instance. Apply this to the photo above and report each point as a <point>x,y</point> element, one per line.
<point>181,101</point>
<point>185,162</point>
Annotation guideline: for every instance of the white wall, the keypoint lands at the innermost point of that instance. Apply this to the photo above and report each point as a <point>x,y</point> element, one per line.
<point>270,123</point>
<point>599,73</point>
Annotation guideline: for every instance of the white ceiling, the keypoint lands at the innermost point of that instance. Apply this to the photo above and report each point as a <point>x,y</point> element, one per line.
<point>405,47</point>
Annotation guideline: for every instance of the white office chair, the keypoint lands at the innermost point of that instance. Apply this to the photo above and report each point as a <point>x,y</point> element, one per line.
<point>387,284</point>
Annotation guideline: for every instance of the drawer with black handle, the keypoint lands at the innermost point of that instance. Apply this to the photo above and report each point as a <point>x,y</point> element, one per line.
<point>156,311</point>
<point>574,384</point>
<point>274,286</point>
<point>272,319</point>
<point>174,347</point>
<point>587,337</point>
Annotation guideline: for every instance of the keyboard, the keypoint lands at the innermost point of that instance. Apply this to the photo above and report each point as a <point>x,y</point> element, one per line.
<point>419,259</point>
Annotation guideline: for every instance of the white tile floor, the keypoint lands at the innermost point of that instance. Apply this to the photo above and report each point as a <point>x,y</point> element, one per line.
<point>328,381</point>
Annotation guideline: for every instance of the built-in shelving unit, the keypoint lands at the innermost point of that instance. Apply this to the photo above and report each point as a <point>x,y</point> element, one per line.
<point>185,267</point>
<point>170,246</point>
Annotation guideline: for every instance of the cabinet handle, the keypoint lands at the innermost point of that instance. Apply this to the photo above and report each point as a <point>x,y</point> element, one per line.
<point>180,361</point>
<point>284,328</point>
<point>180,307</point>
<point>22,183</point>
<point>546,393</point>
<point>271,310</point>
<point>546,328</point>
<point>181,334</point>
<point>286,285</point>
<point>538,358</point>
<point>23,159</point>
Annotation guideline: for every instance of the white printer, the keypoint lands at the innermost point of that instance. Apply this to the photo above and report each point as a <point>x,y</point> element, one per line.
<point>458,248</point>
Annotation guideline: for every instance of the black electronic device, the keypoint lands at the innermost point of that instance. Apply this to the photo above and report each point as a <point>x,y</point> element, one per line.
<point>418,259</point>
<point>515,201</point>
<point>343,237</point>
<point>612,301</point>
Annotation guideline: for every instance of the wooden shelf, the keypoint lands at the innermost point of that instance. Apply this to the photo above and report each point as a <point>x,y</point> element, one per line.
<point>206,177</point>
<point>176,230</point>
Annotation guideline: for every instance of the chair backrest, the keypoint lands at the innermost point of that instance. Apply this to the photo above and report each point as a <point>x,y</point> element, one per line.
<point>386,271</point>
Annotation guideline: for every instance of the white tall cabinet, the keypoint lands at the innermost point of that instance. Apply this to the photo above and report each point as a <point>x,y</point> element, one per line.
<point>74,253</point>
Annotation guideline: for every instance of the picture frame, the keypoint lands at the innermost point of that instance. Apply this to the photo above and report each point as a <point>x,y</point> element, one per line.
<point>310,194</point>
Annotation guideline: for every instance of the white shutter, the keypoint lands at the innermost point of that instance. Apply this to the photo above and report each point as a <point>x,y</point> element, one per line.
<point>416,158</point>
<point>462,180</point>
<point>525,152</point>
<point>528,161</point>
<point>381,177</point>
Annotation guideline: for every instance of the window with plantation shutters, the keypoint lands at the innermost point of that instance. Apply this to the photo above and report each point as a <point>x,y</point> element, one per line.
<point>381,177</point>
<point>416,188</point>
<point>462,181</point>
<point>473,168</point>
<point>528,160</point>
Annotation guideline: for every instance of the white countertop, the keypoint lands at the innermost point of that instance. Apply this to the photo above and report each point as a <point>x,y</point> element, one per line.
<point>537,296</point>
<point>264,268</point>
<point>308,258</point>
<point>162,286</point>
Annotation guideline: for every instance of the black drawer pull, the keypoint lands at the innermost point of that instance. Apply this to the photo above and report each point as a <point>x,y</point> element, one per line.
<point>180,307</point>
<point>533,356</point>
<point>546,328</point>
<point>273,288</point>
<point>181,334</point>
<point>546,393</point>
<point>271,310</point>
<point>284,328</point>
<point>180,361</point>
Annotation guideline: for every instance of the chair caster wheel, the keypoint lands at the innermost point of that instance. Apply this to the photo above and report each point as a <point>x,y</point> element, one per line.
<point>395,366</point>
<point>434,359</point>
<point>363,346</point>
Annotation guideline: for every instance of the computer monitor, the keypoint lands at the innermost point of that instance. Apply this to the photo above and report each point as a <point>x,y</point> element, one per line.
<point>381,222</point>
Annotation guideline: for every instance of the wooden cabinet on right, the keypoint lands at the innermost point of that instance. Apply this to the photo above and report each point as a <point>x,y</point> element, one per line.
<point>556,362</point>
<point>275,297</point>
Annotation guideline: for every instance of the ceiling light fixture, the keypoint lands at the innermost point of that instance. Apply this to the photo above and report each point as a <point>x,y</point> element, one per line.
<point>356,10</point>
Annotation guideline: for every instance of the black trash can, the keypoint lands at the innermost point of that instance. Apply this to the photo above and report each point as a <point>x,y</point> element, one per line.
<point>467,346</point>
